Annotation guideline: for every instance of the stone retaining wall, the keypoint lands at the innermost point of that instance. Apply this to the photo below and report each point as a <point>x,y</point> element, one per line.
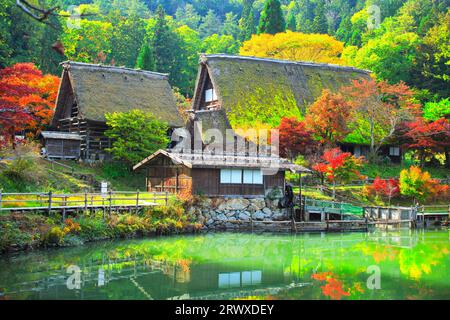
<point>226,213</point>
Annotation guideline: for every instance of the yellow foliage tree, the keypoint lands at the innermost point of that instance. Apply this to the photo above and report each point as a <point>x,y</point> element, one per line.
<point>295,46</point>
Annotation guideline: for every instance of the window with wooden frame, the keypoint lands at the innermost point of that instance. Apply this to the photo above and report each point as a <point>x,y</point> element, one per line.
<point>239,176</point>
<point>394,151</point>
<point>210,95</point>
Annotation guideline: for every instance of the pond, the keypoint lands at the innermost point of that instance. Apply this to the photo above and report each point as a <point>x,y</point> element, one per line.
<point>403,264</point>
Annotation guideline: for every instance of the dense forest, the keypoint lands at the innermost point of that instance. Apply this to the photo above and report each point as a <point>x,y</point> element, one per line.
<point>399,40</point>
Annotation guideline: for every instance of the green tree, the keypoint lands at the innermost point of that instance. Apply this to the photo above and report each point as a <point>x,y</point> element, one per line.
<point>188,16</point>
<point>211,24</point>
<point>145,59</point>
<point>5,36</point>
<point>272,18</point>
<point>190,48</point>
<point>247,22</point>
<point>168,51</point>
<point>135,135</point>
<point>220,44</point>
<point>231,25</point>
<point>432,67</point>
<point>88,42</point>
<point>291,22</point>
<point>126,40</point>
<point>433,111</point>
<point>320,23</point>
<point>391,57</point>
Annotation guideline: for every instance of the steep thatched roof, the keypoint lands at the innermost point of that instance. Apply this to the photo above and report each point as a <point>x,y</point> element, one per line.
<point>262,91</point>
<point>202,160</point>
<point>99,89</point>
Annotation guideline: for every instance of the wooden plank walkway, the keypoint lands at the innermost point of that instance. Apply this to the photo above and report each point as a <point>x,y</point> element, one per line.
<point>123,200</point>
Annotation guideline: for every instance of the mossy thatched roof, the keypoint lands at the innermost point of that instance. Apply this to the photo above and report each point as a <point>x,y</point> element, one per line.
<point>100,89</point>
<point>257,91</point>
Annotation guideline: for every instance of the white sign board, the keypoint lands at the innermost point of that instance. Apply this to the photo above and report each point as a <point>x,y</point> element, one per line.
<point>104,189</point>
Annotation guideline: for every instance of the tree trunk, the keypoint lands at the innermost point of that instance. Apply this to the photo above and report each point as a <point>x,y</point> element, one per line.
<point>447,158</point>
<point>334,189</point>
<point>12,136</point>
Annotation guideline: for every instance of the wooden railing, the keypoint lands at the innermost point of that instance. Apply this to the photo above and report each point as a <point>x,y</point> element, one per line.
<point>434,210</point>
<point>332,207</point>
<point>81,201</point>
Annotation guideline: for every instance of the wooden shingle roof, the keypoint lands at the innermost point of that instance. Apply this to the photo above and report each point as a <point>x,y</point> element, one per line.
<point>202,160</point>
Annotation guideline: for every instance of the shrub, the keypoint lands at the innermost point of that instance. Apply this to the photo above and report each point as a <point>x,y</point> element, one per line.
<point>94,228</point>
<point>115,170</point>
<point>71,227</point>
<point>54,237</point>
<point>11,235</point>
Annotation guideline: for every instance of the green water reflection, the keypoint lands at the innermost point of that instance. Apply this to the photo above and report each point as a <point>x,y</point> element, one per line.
<point>413,265</point>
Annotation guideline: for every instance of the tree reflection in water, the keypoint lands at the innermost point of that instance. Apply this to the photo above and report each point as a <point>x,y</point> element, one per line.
<point>414,265</point>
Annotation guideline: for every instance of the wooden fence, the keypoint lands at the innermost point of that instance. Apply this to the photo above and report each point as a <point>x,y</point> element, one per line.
<point>124,200</point>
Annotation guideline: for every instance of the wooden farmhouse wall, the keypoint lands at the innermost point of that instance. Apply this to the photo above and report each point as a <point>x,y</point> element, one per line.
<point>164,176</point>
<point>207,182</point>
<point>62,148</point>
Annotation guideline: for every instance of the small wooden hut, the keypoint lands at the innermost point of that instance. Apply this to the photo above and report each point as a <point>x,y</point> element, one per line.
<point>88,91</point>
<point>215,175</point>
<point>61,145</point>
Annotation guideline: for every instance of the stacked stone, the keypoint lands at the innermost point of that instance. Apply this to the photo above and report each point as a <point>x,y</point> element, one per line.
<point>236,213</point>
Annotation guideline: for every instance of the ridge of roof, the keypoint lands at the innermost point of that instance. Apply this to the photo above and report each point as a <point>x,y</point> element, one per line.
<point>109,68</point>
<point>204,160</point>
<point>205,57</point>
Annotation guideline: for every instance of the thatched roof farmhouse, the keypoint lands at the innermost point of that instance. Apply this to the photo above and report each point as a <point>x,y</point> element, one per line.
<point>253,91</point>
<point>88,91</point>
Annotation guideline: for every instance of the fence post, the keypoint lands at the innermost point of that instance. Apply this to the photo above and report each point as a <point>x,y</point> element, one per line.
<point>137,201</point>
<point>64,208</point>
<point>85,203</point>
<point>167,198</point>
<point>110,202</point>
<point>49,202</point>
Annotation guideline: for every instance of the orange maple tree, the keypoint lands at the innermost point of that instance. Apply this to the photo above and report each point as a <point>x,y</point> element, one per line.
<point>378,108</point>
<point>327,118</point>
<point>27,100</point>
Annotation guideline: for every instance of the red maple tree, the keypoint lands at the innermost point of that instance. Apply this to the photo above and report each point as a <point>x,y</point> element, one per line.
<point>428,138</point>
<point>294,138</point>
<point>338,166</point>
<point>388,188</point>
<point>27,99</point>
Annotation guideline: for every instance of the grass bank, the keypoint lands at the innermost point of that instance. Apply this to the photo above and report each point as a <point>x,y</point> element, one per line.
<point>23,170</point>
<point>20,232</point>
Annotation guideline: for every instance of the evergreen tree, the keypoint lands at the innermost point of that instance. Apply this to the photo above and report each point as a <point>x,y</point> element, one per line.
<point>291,22</point>
<point>188,16</point>
<point>272,19</point>
<point>167,50</point>
<point>231,26</point>
<point>211,25</point>
<point>145,59</point>
<point>320,23</point>
<point>247,22</point>
<point>49,58</point>
<point>126,40</point>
